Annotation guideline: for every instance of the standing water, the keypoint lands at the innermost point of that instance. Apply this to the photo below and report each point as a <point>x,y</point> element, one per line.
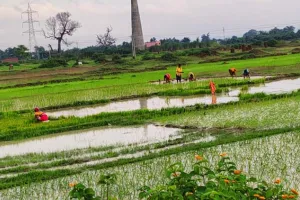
<point>91,138</point>
<point>276,87</point>
<point>154,103</point>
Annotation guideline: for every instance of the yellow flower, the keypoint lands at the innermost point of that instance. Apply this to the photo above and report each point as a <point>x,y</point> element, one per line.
<point>277,181</point>
<point>256,195</point>
<point>198,157</point>
<point>262,198</point>
<point>237,172</point>
<point>295,192</point>
<point>284,196</point>
<point>72,184</point>
<point>223,154</point>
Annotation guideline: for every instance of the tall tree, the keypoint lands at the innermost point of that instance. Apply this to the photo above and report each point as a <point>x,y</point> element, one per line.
<point>153,39</point>
<point>186,40</point>
<point>60,26</point>
<point>21,52</point>
<point>205,39</point>
<point>106,40</point>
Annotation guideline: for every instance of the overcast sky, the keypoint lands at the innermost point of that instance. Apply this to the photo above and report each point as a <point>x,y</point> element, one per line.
<point>160,18</point>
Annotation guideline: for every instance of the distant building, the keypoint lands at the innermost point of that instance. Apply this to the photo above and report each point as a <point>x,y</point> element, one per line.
<point>10,60</point>
<point>152,44</point>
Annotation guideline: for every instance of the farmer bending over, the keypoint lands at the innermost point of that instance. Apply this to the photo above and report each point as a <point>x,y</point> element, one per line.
<point>40,116</point>
<point>246,73</point>
<point>167,78</point>
<point>179,73</point>
<point>232,72</point>
<point>192,76</point>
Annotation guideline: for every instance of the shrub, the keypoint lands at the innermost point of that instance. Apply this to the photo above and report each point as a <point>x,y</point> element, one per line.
<point>169,57</point>
<point>296,51</point>
<point>116,58</point>
<point>272,43</point>
<point>133,62</point>
<point>51,63</point>
<point>181,53</point>
<point>202,52</point>
<point>80,192</point>
<point>224,182</point>
<point>99,58</point>
<point>248,56</point>
<point>148,56</point>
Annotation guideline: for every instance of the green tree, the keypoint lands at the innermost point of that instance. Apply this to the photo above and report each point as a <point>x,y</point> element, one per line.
<point>22,52</point>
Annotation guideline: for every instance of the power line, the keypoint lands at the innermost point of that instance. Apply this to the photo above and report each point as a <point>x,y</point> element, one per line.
<point>31,31</point>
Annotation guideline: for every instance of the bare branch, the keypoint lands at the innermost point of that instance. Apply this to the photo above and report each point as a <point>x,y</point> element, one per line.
<point>60,26</point>
<point>106,40</point>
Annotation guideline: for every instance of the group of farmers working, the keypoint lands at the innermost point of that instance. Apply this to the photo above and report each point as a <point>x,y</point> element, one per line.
<point>191,76</point>
<point>43,117</point>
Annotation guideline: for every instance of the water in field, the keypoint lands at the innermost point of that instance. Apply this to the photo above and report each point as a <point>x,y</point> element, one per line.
<point>153,103</point>
<point>266,158</point>
<point>91,138</point>
<point>156,103</point>
<point>275,87</point>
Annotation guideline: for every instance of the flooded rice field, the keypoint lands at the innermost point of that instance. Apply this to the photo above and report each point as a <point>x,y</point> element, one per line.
<point>275,87</point>
<point>277,157</point>
<point>154,103</point>
<point>91,138</point>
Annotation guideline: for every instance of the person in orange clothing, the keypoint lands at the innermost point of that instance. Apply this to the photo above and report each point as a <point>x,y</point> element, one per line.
<point>232,72</point>
<point>167,78</point>
<point>212,87</point>
<point>40,116</point>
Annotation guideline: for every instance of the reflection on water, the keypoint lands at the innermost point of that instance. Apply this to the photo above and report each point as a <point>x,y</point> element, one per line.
<point>213,99</point>
<point>154,103</point>
<point>91,138</point>
<point>276,87</point>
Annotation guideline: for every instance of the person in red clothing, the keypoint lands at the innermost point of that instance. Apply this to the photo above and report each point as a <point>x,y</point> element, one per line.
<point>167,78</point>
<point>40,116</point>
<point>212,87</point>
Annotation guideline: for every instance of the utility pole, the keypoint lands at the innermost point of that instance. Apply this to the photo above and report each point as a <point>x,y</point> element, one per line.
<point>136,23</point>
<point>31,31</point>
<point>133,47</point>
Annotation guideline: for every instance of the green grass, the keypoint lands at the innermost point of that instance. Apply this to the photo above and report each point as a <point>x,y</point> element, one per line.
<point>18,68</point>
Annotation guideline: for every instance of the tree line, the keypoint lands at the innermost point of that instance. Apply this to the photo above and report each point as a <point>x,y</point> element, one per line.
<point>60,26</point>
